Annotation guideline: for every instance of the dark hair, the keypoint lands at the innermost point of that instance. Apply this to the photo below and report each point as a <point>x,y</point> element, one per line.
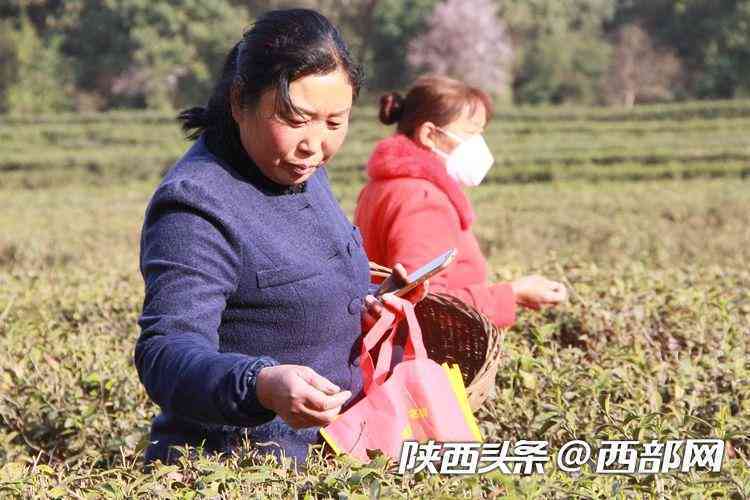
<point>281,47</point>
<point>391,108</point>
<point>437,99</point>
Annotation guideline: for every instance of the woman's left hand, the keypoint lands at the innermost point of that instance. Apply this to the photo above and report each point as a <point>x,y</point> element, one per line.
<point>398,279</point>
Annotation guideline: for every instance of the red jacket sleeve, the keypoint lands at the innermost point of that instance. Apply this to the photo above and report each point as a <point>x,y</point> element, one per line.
<point>424,225</point>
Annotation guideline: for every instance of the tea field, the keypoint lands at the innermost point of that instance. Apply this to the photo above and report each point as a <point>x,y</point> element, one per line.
<point>643,214</point>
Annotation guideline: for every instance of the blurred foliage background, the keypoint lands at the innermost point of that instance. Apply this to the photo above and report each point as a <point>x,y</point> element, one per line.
<point>88,55</point>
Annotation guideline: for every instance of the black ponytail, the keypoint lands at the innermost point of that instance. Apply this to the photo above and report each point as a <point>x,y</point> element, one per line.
<point>218,112</point>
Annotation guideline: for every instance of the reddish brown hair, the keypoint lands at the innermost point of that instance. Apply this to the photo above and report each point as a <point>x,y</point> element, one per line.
<point>436,99</point>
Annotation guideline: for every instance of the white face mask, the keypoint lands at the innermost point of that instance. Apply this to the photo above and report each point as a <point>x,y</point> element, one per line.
<point>469,162</point>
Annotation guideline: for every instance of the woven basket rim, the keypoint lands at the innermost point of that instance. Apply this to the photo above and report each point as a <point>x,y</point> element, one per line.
<point>484,377</point>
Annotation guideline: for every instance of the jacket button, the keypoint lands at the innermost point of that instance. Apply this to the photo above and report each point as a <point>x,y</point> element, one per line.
<point>355,306</point>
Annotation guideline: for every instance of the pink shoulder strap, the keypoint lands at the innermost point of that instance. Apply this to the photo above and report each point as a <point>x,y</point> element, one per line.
<point>386,325</point>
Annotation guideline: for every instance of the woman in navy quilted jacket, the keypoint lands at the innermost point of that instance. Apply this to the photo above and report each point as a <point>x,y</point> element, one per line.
<point>255,280</point>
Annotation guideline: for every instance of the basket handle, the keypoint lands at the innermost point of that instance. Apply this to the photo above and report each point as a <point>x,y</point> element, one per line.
<point>378,271</point>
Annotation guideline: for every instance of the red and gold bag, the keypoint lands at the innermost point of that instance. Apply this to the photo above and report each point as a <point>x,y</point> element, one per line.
<point>420,400</point>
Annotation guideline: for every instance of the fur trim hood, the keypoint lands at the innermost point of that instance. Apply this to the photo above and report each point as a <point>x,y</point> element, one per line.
<point>398,156</point>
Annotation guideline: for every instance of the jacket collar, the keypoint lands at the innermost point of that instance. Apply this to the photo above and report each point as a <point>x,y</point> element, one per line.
<point>227,146</point>
<point>398,156</point>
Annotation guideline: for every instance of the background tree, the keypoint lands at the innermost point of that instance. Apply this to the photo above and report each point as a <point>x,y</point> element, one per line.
<point>711,37</point>
<point>101,54</point>
<point>158,54</point>
<point>8,62</point>
<point>562,51</point>
<point>137,53</point>
<point>395,23</point>
<point>466,39</point>
<point>36,78</point>
<point>639,71</point>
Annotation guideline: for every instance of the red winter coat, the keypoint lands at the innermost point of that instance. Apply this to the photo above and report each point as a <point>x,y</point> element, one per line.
<point>411,211</point>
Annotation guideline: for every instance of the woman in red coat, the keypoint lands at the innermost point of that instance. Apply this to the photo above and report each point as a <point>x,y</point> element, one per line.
<point>414,208</point>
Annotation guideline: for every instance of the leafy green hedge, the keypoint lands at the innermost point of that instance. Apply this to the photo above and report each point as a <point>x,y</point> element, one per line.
<point>653,344</point>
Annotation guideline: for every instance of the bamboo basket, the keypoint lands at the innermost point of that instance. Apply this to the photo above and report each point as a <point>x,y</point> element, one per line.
<point>455,332</point>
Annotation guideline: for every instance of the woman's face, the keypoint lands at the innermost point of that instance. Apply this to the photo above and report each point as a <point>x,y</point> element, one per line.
<point>288,150</point>
<point>467,124</point>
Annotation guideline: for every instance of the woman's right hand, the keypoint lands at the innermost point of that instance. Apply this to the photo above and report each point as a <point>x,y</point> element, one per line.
<point>374,306</point>
<point>537,291</point>
<point>299,395</point>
